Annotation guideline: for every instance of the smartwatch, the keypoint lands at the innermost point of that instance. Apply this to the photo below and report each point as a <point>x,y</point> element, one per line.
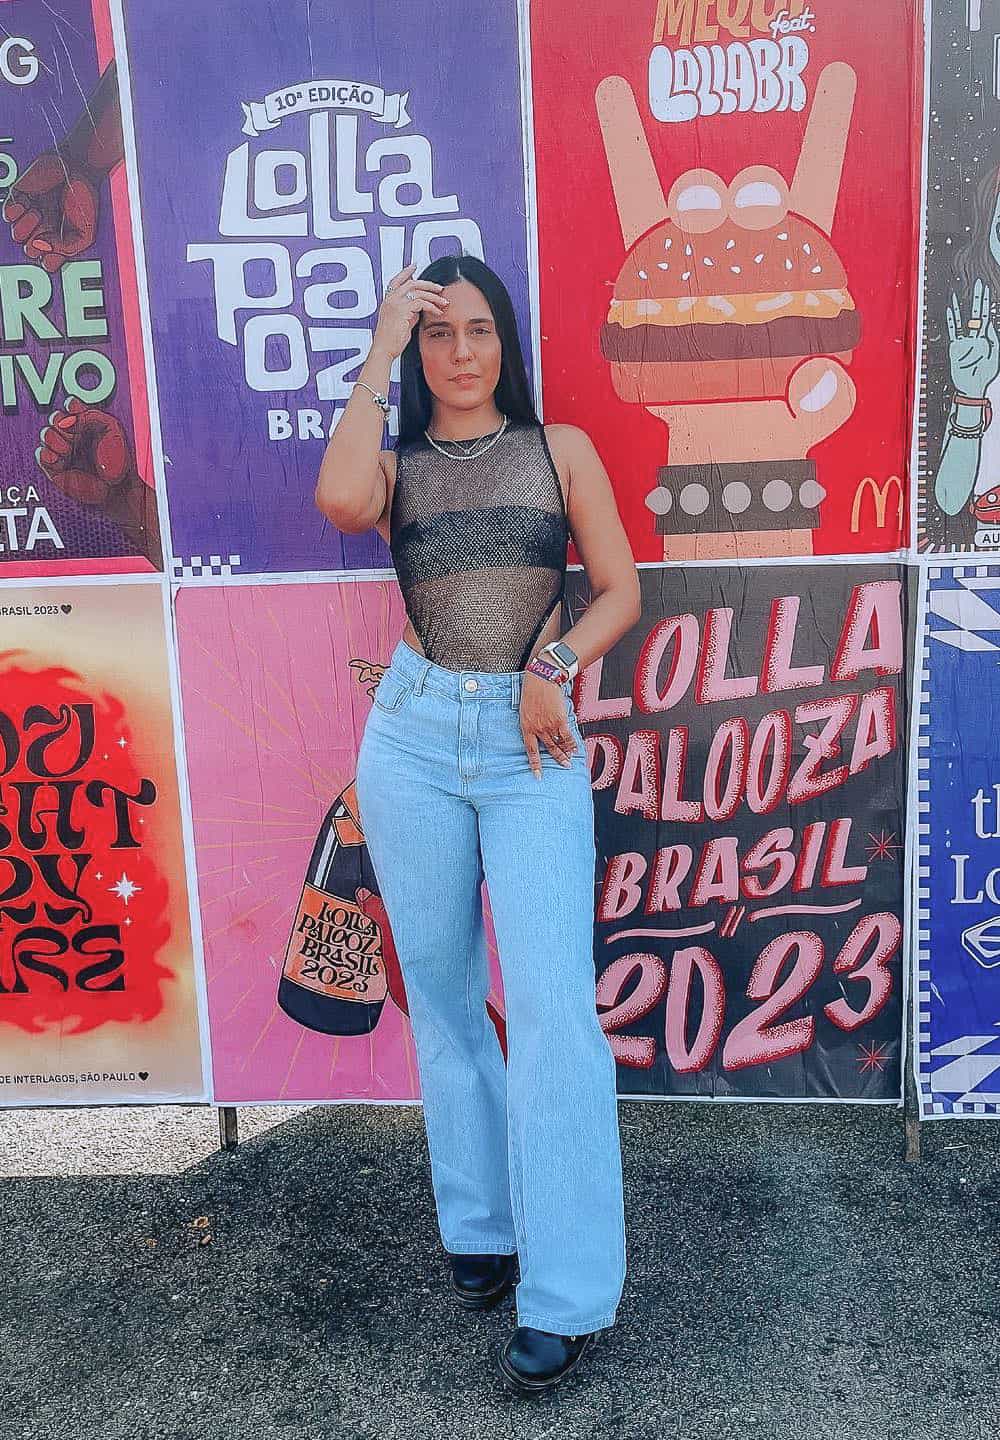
<point>562,656</point>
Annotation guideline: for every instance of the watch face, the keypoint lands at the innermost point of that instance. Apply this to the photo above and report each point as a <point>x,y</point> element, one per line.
<point>562,652</point>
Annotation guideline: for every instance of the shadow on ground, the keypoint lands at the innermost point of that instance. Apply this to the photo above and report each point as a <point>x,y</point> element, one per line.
<point>789,1277</point>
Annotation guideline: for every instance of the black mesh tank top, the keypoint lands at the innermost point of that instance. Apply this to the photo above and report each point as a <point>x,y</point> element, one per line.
<point>479,548</point>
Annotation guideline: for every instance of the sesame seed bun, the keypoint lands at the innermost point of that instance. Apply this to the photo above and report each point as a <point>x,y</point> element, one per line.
<point>727,314</point>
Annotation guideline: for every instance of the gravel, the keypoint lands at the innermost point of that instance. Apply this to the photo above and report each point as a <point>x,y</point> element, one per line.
<point>790,1278</point>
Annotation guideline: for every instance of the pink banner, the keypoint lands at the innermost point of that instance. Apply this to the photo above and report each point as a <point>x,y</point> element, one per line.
<point>306,1002</point>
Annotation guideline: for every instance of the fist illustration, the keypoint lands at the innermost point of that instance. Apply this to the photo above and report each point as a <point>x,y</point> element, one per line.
<point>52,210</point>
<point>86,453</point>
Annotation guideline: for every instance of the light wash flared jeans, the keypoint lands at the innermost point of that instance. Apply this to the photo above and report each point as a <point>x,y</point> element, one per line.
<point>524,1157</point>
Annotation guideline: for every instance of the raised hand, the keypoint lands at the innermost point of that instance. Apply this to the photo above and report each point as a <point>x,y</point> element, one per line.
<point>973,353</point>
<point>400,310</point>
<point>52,210</point>
<point>53,207</point>
<point>86,452</point>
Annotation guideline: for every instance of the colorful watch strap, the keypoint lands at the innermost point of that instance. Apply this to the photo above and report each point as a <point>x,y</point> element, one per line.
<point>547,671</point>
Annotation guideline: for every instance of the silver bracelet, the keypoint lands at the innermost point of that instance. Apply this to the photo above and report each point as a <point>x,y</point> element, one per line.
<point>377,398</point>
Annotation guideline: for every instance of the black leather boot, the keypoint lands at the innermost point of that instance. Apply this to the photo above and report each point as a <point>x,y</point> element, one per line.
<point>534,1361</point>
<point>480,1281</point>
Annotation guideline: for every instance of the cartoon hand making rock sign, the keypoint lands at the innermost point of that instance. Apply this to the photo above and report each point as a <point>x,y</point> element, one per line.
<point>729,321</point>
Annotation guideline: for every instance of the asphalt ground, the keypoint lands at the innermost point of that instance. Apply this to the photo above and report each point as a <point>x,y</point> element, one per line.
<point>789,1276</point>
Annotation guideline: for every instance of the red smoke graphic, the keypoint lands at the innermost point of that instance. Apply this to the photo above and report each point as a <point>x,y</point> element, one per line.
<point>83,902</point>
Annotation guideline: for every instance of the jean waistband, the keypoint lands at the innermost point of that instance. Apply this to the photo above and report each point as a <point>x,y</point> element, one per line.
<point>460,685</point>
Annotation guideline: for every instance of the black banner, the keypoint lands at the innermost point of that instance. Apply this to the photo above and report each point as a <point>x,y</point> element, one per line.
<point>746,742</point>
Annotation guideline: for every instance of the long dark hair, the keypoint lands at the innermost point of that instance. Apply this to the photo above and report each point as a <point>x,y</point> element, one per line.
<point>974,261</point>
<point>512,395</point>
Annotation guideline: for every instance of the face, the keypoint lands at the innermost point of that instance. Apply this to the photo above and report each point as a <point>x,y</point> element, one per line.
<point>460,350</point>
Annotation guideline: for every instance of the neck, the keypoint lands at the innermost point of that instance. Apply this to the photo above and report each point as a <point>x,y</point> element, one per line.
<point>447,423</point>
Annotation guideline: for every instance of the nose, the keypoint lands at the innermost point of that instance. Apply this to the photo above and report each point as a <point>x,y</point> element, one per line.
<point>461,350</point>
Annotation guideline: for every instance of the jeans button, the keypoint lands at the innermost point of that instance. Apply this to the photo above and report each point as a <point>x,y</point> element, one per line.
<point>472,684</point>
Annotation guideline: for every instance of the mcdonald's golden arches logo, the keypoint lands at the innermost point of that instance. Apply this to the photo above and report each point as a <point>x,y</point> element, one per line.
<point>880,501</point>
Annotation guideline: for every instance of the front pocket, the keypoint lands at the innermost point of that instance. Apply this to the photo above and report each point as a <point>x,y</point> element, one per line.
<point>392,690</point>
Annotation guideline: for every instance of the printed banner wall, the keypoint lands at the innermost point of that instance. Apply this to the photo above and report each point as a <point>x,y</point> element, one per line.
<point>748,810</point>
<point>958,808</point>
<point>76,475</point>
<point>958,446</point>
<point>748,779</point>
<point>708,215</point>
<point>289,168</point>
<point>726,224</point>
<point>98,997</point>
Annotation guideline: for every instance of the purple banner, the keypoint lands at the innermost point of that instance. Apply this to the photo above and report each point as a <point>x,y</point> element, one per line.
<point>283,183</point>
<point>75,484</point>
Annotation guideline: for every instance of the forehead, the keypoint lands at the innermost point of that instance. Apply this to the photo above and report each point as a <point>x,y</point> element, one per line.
<point>465,302</point>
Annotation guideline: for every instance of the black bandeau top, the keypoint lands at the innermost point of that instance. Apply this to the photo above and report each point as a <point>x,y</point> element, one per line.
<point>480,548</point>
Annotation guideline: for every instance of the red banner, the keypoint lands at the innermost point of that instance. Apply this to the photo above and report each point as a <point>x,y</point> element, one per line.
<point>727,207</point>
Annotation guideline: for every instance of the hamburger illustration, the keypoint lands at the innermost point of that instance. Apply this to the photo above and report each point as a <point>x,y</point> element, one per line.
<point>725,313</point>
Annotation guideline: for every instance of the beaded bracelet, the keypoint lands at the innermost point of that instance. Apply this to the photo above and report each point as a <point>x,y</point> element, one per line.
<point>377,397</point>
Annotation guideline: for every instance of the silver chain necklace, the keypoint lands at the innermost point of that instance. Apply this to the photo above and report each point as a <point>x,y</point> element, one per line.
<point>488,442</point>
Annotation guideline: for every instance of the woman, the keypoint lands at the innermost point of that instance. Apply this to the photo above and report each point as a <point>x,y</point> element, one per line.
<point>471,766</point>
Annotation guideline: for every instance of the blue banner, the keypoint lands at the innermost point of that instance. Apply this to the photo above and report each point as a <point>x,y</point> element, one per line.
<point>958,870</point>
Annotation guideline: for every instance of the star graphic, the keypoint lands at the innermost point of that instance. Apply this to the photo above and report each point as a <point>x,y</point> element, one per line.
<point>883,846</point>
<point>122,742</point>
<point>872,1057</point>
<point>124,888</point>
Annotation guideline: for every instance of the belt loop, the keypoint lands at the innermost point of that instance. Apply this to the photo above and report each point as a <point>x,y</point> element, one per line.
<point>515,689</point>
<point>418,688</point>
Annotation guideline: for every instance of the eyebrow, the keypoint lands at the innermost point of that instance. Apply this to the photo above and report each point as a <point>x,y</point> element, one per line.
<point>443,320</point>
